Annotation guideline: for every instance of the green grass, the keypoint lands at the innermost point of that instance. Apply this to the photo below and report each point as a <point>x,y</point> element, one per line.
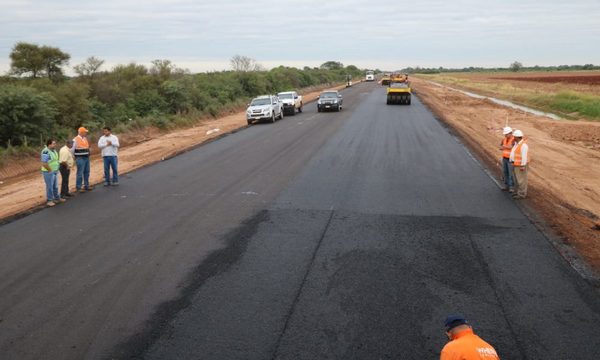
<point>568,102</point>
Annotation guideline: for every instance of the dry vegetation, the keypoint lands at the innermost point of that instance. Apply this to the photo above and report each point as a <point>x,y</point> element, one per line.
<point>572,95</point>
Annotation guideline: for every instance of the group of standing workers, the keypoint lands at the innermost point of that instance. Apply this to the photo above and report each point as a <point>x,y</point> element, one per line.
<point>76,152</point>
<point>515,162</point>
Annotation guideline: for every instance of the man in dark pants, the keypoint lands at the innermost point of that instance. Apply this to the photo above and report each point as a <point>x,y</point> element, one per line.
<point>67,161</point>
<point>81,150</point>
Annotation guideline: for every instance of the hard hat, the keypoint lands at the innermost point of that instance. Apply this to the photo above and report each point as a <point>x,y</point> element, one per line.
<point>82,130</point>
<point>507,130</point>
<point>518,133</point>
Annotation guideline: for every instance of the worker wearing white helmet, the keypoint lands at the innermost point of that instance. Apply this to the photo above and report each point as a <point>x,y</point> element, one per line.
<point>519,158</point>
<point>507,144</point>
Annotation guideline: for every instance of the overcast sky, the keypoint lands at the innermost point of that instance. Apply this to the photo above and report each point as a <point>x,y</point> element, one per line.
<point>389,34</point>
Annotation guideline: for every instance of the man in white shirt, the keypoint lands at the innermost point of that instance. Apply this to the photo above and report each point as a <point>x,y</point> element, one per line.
<point>519,158</point>
<point>109,144</point>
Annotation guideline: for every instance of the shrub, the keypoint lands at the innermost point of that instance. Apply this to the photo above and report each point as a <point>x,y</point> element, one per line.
<point>24,113</point>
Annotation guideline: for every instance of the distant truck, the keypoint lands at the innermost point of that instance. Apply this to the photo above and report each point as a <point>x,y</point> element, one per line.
<point>370,76</point>
<point>386,79</point>
<point>291,102</point>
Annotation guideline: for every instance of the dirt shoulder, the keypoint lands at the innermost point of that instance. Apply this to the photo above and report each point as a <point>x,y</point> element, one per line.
<point>565,167</point>
<point>23,193</point>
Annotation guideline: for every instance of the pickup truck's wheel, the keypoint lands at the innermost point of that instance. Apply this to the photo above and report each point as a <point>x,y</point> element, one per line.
<point>249,122</point>
<point>272,121</point>
<point>300,108</point>
<point>281,115</point>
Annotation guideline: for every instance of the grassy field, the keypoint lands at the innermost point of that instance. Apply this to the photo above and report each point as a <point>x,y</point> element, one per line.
<point>572,95</point>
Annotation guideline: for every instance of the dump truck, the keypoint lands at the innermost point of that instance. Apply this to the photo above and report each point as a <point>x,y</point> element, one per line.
<point>399,78</point>
<point>386,79</point>
<point>398,93</point>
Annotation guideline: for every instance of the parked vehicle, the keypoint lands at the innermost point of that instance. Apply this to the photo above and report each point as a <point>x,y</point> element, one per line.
<point>330,100</point>
<point>266,107</point>
<point>370,76</point>
<point>291,102</point>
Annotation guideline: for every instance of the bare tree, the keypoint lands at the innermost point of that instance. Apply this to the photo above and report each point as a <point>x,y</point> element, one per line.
<point>89,67</point>
<point>245,63</point>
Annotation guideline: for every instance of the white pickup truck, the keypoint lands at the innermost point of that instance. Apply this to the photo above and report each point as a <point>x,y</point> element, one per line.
<point>291,102</point>
<point>266,107</point>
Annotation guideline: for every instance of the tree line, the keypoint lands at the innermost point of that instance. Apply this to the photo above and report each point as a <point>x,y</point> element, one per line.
<point>37,99</point>
<point>514,67</point>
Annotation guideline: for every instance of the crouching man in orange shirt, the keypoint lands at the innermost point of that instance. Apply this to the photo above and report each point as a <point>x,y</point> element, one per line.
<point>464,344</point>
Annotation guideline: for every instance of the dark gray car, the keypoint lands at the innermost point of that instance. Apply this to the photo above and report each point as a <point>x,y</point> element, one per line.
<point>330,100</point>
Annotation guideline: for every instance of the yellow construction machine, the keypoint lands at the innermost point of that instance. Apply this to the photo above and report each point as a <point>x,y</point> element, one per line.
<point>398,93</point>
<point>385,80</point>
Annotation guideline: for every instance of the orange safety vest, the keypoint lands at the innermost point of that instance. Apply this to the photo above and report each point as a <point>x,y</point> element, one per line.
<point>81,146</point>
<point>468,346</point>
<point>507,144</point>
<point>519,156</point>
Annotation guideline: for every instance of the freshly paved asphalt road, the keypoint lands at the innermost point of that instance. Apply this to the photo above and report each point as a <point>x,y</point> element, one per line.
<point>344,235</point>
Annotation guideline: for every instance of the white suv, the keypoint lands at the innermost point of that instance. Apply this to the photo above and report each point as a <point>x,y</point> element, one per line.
<point>266,107</point>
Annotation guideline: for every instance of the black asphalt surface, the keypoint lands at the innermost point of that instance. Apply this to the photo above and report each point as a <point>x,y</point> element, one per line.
<point>345,235</point>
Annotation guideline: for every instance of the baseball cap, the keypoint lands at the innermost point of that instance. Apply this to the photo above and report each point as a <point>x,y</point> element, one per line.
<point>82,129</point>
<point>453,321</point>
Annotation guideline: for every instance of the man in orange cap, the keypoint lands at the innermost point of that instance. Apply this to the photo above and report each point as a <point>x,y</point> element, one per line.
<point>464,344</point>
<point>81,150</point>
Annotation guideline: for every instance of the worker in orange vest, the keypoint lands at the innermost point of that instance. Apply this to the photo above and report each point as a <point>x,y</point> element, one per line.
<point>464,344</point>
<point>508,142</point>
<point>519,158</point>
<point>81,150</point>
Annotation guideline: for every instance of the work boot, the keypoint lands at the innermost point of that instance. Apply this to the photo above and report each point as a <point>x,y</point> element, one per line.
<point>81,190</point>
<point>50,203</point>
<point>58,201</point>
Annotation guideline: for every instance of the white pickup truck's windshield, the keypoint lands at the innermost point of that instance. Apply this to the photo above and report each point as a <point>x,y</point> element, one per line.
<point>328,95</point>
<point>285,96</point>
<point>259,102</point>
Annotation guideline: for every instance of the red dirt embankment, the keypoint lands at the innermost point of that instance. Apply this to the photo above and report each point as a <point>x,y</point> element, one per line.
<point>566,79</point>
<point>565,166</point>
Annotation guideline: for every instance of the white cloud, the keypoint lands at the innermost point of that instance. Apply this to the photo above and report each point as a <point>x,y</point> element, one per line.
<point>384,32</point>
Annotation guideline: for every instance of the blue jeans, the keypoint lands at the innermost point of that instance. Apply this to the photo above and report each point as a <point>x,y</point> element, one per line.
<point>507,171</point>
<point>83,172</point>
<point>110,162</point>
<point>51,180</point>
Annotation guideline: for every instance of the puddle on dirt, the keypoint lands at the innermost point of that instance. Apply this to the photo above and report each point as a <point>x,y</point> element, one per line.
<point>503,102</point>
